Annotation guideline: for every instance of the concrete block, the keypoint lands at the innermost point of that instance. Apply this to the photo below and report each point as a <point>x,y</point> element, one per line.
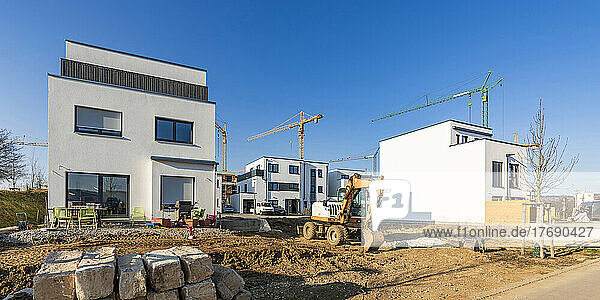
<point>164,270</point>
<point>204,290</point>
<point>243,295</point>
<point>227,282</point>
<point>56,277</point>
<point>24,294</point>
<point>164,295</point>
<point>95,274</point>
<point>131,277</point>
<point>196,265</point>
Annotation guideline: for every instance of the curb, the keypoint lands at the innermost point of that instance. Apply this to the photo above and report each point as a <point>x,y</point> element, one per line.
<point>529,281</point>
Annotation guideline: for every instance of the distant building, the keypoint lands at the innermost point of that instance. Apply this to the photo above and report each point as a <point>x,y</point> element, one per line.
<point>128,131</point>
<point>453,169</point>
<point>338,178</point>
<point>290,183</point>
<point>226,185</point>
<point>586,197</point>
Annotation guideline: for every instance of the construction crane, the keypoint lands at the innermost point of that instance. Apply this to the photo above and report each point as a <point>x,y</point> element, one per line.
<point>21,140</point>
<point>373,157</point>
<point>289,124</point>
<point>484,101</point>
<point>223,131</point>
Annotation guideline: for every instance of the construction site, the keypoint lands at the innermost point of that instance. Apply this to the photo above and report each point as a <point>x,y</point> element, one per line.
<point>146,187</point>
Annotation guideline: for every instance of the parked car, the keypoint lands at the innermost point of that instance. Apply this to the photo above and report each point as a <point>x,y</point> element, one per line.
<point>279,210</point>
<point>264,208</point>
<point>228,208</point>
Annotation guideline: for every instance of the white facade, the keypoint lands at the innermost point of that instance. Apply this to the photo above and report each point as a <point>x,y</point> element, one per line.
<point>291,183</point>
<point>338,178</point>
<point>146,168</point>
<point>449,168</point>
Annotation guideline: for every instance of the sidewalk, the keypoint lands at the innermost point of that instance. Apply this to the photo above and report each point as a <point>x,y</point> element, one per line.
<point>580,283</point>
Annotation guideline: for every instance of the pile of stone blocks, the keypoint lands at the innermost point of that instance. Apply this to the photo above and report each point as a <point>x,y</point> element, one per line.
<point>177,273</point>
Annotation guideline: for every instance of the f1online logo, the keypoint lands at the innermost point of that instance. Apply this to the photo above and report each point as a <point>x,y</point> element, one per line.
<point>388,199</point>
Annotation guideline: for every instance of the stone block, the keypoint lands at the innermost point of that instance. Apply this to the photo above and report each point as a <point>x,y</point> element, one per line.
<point>243,295</point>
<point>131,277</point>
<point>164,270</point>
<point>204,290</point>
<point>164,295</point>
<point>227,281</point>
<point>95,274</point>
<point>196,265</point>
<point>56,277</point>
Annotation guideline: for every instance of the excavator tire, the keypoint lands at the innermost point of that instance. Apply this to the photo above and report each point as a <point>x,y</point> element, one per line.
<point>337,235</point>
<point>309,230</point>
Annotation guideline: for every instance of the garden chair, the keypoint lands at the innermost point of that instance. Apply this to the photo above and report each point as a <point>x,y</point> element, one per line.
<point>138,215</point>
<point>60,215</point>
<point>88,214</point>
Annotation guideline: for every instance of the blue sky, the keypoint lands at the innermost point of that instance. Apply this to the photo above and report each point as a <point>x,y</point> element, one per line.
<point>349,60</point>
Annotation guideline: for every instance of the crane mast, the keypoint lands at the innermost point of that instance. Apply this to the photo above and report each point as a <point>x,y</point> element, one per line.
<point>223,131</point>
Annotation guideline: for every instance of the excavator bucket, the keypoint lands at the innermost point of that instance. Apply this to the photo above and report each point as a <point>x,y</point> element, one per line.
<point>372,240</point>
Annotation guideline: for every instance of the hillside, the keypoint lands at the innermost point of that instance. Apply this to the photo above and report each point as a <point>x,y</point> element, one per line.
<point>29,202</point>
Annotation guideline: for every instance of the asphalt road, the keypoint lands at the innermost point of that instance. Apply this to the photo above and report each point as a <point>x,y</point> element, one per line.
<point>580,283</point>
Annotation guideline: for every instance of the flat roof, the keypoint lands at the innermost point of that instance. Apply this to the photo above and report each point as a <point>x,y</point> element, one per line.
<point>136,55</point>
<point>294,159</point>
<point>435,124</point>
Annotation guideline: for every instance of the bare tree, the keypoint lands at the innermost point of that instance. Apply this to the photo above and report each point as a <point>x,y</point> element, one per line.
<point>12,167</point>
<point>37,176</point>
<point>546,165</point>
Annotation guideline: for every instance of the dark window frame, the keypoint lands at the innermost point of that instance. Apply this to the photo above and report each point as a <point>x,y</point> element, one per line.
<point>273,186</point>
<point>345,176</point>
<point>98,131</point>
<point>320,189</point>
<point>498,174</point>
<point>319,173</point>
<point>174,121</point>
<point>297,168</point>
<point>270,169</point>
<point>101,190</point>
<point>173,176</point>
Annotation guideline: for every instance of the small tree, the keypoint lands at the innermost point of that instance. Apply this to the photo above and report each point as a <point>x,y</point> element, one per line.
<point>546,166</point>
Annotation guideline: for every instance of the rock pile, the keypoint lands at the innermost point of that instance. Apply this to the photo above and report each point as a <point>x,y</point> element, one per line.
<point>176,273</point>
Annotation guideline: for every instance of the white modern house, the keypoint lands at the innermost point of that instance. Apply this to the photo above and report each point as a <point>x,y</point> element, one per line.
<point>129,131</point>
<point>338,178</point>
<point>453,168</point>
<point>290,183</point>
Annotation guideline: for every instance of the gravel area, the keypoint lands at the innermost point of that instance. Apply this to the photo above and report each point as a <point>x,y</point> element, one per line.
<point>45,236</point>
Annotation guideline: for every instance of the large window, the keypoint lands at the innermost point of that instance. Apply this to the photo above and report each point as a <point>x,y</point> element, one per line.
<point>294,169</point>
<point>273,168</point>
<point>173,131</point>
<point>273,186</point>
<point>110,192</point>
<point>497,174</point>
<point>175,189</point>
<point>98,121</point>
<point>514,176</point>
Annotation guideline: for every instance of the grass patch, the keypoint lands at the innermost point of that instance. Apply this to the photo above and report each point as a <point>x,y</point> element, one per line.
<point>30,202</point>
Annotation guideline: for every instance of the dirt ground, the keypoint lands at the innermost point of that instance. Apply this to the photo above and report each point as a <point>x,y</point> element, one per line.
<point>279,265</point>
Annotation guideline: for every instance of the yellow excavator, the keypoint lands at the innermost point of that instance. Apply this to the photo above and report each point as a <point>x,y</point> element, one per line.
<point>345,218</point>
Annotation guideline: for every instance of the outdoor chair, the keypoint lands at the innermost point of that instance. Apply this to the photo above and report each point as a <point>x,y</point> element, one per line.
<point>88,214</point>
<point>60,215</point>
<point>138,215</point>
<point>198,213</point>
